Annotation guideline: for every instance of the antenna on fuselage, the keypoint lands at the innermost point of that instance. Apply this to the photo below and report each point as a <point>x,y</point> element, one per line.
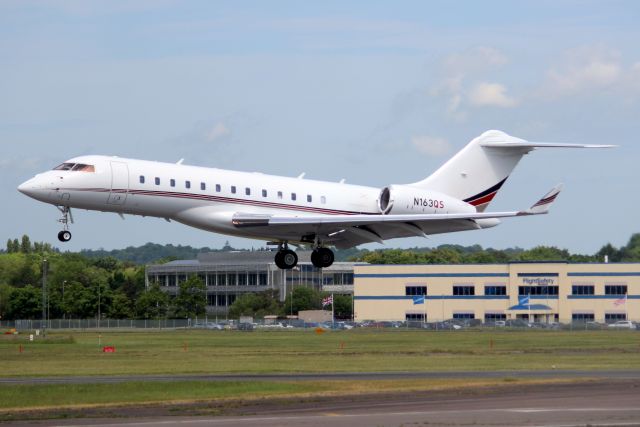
<point>179,162</point>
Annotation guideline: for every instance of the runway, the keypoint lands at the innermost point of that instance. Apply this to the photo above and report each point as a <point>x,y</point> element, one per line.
<point>597,403</point>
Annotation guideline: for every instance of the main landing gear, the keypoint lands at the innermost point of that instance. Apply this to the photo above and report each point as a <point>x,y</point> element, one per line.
<point>65,234</point>
<point>286,259</point>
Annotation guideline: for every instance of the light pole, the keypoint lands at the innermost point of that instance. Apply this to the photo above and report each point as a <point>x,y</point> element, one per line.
<point>64,313</point>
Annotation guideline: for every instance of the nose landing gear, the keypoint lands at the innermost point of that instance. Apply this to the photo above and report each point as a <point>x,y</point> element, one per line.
<point>65,234</point>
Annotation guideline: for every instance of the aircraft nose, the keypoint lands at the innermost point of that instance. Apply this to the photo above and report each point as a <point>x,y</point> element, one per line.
<point>27,188</point>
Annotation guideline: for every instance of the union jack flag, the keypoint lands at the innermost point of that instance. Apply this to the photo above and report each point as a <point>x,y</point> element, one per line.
<point>328,300</point>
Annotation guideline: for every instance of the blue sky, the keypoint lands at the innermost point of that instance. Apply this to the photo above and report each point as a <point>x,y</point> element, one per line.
<point>374,92</point>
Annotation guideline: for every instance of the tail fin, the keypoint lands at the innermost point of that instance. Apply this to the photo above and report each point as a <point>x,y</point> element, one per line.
<point>478,171</point>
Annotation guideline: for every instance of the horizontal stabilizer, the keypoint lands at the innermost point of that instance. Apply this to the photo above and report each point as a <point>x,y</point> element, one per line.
<point>531,145</point>
<point>542,206</point>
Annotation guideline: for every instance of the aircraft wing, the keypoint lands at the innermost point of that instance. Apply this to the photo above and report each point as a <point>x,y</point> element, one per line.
<point>352,230</point>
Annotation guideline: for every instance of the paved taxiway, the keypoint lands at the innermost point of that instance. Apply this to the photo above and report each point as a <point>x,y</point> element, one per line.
<point>362,376</point>
<point>613,402</point>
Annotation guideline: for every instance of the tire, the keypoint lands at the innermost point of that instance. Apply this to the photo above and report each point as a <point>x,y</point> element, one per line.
<point>64,236</point>
<point>289,259</point>
<point>325,257</point>
<point>278,260</point>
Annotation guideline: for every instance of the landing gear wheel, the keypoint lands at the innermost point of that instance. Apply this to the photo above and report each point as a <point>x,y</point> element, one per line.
<point>286,259</point>
<point>64,236</point>
<point>322,257</point>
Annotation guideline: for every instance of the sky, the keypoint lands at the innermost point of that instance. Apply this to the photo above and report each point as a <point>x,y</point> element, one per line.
<point>376,93</point>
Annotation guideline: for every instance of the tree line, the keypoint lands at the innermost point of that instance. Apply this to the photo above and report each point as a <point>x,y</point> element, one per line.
<point>81,285</point>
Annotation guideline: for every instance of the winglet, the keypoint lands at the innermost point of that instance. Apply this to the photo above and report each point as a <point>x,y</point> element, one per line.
<point>542,206</point>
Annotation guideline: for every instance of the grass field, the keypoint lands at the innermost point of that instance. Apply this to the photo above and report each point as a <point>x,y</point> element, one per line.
<point>220,352</point>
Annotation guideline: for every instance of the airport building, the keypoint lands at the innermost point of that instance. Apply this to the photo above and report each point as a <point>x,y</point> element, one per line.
<point>542,292</point>
<point>228,275</point>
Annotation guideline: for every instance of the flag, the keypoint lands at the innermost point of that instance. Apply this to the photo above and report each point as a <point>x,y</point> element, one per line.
<point>620,301</point>
<point>328,300</point>
<point>524,300</point>
<point>418,299</point>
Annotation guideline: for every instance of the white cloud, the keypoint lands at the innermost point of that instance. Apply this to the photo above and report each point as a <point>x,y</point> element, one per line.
<point>586,69</point>
<point>218,131</point>
<point>490,94</point>
<point>430,145</point>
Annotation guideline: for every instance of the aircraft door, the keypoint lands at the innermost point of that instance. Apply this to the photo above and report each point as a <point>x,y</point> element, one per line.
<point>119,183</point>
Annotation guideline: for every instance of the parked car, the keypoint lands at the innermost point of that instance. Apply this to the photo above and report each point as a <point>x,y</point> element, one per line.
<point>245,327</point>
<point>623,324</point>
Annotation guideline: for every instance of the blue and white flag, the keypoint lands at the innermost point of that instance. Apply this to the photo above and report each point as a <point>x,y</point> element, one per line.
<point>418,299</point>
<point>524,300</point>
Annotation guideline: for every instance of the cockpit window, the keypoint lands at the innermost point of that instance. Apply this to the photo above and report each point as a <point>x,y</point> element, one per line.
<point>64,167</point>
<point>79,167</point>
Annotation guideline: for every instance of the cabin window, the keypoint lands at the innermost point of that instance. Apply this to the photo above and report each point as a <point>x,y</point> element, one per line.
<point>233,189</point>
<point>264,193</point>
<point>157,181</point>
<point>172,182</point>
<point>203,186</point>
<point>141,179</point>
<point>323,200</point>
<point>247,191</point>
<point>279,194</point>
<point>293,196</point>
<point>187,184</point>
<point>218,188</point>
<point>309,198</point>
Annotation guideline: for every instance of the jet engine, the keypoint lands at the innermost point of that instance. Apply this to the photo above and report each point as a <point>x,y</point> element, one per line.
<point>405,199</point>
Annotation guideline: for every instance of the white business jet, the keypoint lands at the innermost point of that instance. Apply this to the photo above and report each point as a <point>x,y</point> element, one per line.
<point>285,210</point>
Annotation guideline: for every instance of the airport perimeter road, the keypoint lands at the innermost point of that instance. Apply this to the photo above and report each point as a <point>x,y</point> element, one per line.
<point>362,376</point>
<point>601,403</point>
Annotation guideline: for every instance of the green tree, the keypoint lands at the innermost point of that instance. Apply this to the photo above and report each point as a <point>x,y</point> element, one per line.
<point>152,303</point>
<point>121,306</point>
<point>342,306</point>
<point>192,298</point>
<point>256,304</point>
<point>303,298</point>
<point>25,303</point>
<point>25,246</point>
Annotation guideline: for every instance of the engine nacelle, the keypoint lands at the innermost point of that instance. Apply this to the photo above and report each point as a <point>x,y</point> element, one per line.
<point>404,199</point>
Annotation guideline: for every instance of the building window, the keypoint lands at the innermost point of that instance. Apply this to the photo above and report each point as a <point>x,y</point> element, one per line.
<point>309,198</point>
<point>415,290</point>
<point>414,317</point>
<point>293,196</point>
<point>582,290</point>
<point>614,317</point>
<point>264,193</point>
<point>218,188</point>
<point>582,317</point>
<point>464,290</point>
<point>247,191</point>
<point>233,189</point>
<point>203,186</point>
<point>538,290</point>
<point>141,179</point>
<point>157,181</point>
<point>187,184</point>
<point>615,289</point>
<point>172,182</point>
<point>464,316</point>
<point>495,290</point>
<point>493,317</point>
<point>262,279</point>
<point>323,200</point>
<point>279,194</point>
